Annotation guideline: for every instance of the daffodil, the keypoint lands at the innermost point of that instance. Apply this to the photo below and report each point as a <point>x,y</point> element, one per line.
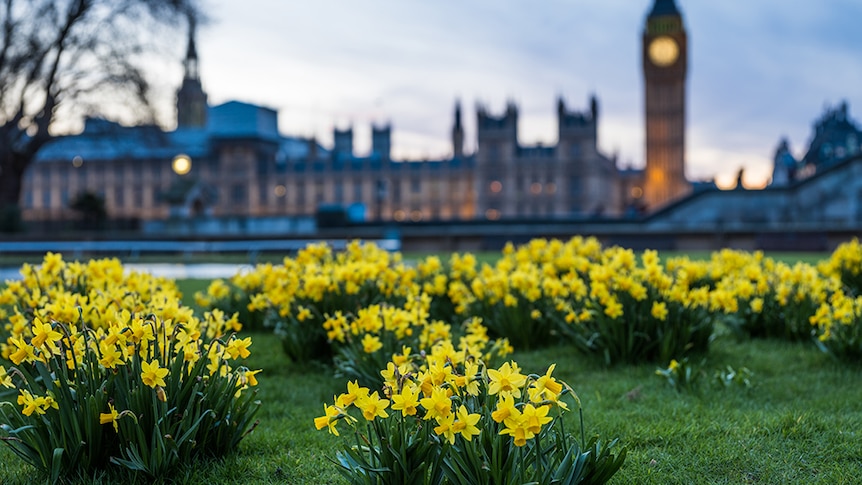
<point>24,351</point>
<point>406,401</point>
<point>466,423</point>
<point>438,405</point>
<point>111,356</point>
<point>238,348</point>
<point>659,310</point>
<point>353,393</point>
<point>372,406</point>
<point>152,374</point>
<point>535,417</point>
<point>371,343</point>
<point>516,427</point>
<point>304,314</point>
<point>329,419</point>
<point>250,376</point>
<point>505,408</point>
<point>44,334</point>
<point>110,417</point>
<point>5,378</point>
<point>508,379</point>
<point>29,402</point>
<point>445,427</point>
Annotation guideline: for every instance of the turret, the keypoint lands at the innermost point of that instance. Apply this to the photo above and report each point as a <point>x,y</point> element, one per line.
<point>457,133</point>
<point>191,98</point>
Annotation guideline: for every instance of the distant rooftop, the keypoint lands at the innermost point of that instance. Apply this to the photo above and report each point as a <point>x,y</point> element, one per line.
<point>236,119</point>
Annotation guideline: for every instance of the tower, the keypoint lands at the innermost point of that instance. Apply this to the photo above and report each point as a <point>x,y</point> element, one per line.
<point>381,141</point>
<point>457,134</point>
<point>191,98</point>
<point>665,49</point>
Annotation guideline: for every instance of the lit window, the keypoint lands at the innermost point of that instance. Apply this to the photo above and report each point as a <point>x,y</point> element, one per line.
<point>637,192</point>
<point>399,215</point>
<point>280,190</point>
<point>492,214</point>
<point>551,188</point>
<point>416,216</point>
<point>496,187</point>
<point>536,188</point>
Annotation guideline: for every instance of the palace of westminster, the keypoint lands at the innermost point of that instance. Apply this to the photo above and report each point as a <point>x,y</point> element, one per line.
<point>231,160</point>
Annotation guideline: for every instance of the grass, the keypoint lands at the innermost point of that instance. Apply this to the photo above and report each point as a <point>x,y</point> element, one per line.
<point>799,423</point>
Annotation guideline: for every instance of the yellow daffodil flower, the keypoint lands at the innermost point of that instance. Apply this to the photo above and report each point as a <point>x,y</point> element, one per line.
<point>152,374</point>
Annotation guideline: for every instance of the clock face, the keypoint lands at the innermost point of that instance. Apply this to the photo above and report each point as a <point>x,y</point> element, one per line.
<point>663,51</point>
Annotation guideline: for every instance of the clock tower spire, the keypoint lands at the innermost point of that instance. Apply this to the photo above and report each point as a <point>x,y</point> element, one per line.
<point>665,49</point>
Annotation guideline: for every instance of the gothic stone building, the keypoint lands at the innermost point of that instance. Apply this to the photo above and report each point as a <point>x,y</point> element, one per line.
<point>232,160</point>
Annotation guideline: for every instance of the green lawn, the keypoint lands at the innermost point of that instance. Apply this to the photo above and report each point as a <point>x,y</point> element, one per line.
<point>799,423</point>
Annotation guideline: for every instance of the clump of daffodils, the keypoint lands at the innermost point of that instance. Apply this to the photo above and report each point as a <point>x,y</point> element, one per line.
<point>845,263</point>
<point>145,388</point>
<point>366,341</point>
<point>295,297</point>
<point>449,412</point>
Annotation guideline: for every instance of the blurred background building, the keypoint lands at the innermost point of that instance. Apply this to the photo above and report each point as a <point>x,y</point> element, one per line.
<point>231,160</point>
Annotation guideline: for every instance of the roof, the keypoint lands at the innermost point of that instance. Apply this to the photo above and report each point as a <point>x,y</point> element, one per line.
<point>105,140</point>
<point>663,8</point>
<point>108,140</point>
<point>236,119</point>
<point>835,137</point>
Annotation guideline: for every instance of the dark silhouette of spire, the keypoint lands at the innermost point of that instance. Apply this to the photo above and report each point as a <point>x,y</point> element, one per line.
<point>191,98</point>
<point>191,61</point>
<point>663,7</point>
<point>457,133</point>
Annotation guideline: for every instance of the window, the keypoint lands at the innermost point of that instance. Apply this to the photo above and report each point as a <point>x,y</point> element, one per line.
<point>262,166</point>
<point>300,195</point>
<point>237,194</point>
<point>318,192</point>
<point>396,191</point>
<point>263,194</point>
<point>357,191</point>
<point>119,196</point>
<point>139,197</point>
<point>339,192</point>
<point>574,186</point>
<point>46,198</point>
<point>415,185</point>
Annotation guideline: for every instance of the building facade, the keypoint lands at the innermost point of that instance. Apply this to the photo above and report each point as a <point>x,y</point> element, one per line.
<point>571,178</point>
<point>835,136</point>
<point>231,160</point>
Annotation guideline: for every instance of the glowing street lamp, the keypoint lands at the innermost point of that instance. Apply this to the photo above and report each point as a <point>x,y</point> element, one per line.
<point>182,164</point>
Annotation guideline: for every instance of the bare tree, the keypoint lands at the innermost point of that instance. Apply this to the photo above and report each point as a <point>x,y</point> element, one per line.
<point>70,56</point>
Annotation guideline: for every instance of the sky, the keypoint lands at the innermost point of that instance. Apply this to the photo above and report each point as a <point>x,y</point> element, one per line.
<point>758,71</point>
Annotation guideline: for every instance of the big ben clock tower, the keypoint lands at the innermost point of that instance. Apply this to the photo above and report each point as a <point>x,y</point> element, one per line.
<point>664,63</point>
